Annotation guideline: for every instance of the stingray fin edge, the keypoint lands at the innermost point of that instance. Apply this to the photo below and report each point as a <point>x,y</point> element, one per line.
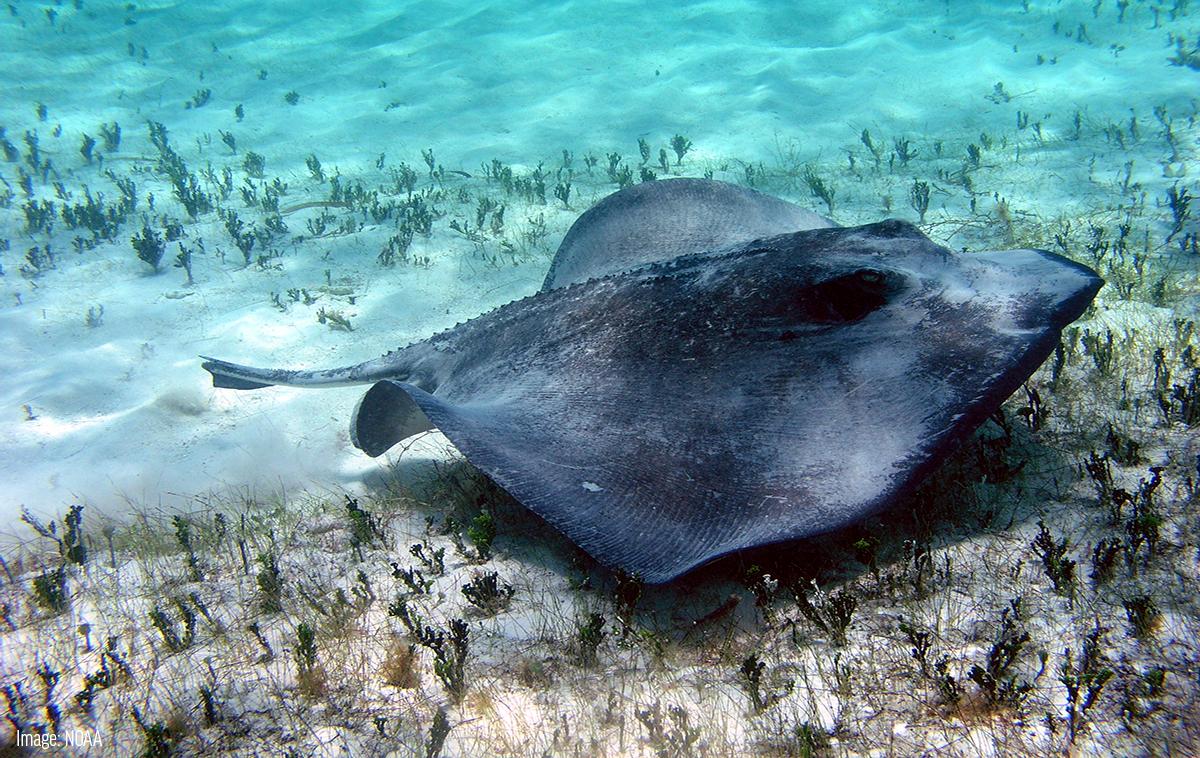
<point>385,415</point>
<point>392,410</point>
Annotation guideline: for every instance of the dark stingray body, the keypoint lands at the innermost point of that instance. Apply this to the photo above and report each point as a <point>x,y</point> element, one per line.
<point>667,415</point>
<point>661,220</point>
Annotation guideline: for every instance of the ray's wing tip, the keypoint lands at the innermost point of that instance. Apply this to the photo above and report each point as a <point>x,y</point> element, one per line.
<point>1087,272</point>
<point>1083,291</point>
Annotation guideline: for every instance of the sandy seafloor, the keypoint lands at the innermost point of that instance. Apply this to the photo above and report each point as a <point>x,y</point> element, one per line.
<point>118,414</point>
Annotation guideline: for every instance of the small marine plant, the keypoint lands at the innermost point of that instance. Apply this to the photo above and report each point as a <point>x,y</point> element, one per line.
<point>1104,560</point>
<point>87,145</point>
<point>364,527</point>
<point>589,633</point>
<point>167,627</point>
<point>70,544</point>
<point>270,583</point>
<point>50,590</point>
<point>314,168</point>
<point>1143,524</point>
<point>903,150</point>
<point>183,535</point>
<point>819,188</point>
<point>1084,681</point>
<point>111,134</point>
<point>412,578</point>
<point>335,320</point>
<point>1144,616</point>
<point>1180,202</point>
<point>485,592</point>
<point>681,145</point>
<point>149,246</point>
<point>644,150</point>
<point>438,731</point>
<point>996,678</point>
<point>765,589</point>
<point>210,706</point>
<point>185,184</point>
<point>399,665</point>
<point>752,671</point>
<point>874,149</point>
<point>614,160</point>
<point>39,217</point>
<point>1057,565</point>
<point>183,260</point>
<point>268,654</point>
<point>918,197</point>
<point>310,674</point>
<point>433,559</point>
<point>157,737</point>
<point>936,671</point>
<point>626,595</point>
<point>449,648</point>
<point>482,532</point>
<point>199,99</point>
<point>829,612</point>
<point>33,155</point>
<point>974,156</point>
<point>254,164</point>
<point>562,191</point>
<point>113,668</point>
<point>670,733</point>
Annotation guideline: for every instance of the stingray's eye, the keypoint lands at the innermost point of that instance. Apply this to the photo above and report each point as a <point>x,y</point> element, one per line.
<point>849,297</point>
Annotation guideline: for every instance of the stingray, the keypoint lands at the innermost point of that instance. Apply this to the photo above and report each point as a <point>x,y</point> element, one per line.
<point>707,369</point>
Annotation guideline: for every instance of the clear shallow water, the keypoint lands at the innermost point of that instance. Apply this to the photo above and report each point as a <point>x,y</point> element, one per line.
<point>119,410</point>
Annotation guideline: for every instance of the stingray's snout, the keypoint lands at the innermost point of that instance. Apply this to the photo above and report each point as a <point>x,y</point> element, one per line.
<point>1044,288</point>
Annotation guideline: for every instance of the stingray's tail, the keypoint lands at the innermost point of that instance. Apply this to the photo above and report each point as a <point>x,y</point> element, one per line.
<point>234,377</point>
<point>394,365</point>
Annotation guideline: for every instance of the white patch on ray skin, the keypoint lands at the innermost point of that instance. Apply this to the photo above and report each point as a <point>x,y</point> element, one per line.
<point>881,435</point>
<point>1018,278</point>
<point>591,486</point>
<point>956,290</point>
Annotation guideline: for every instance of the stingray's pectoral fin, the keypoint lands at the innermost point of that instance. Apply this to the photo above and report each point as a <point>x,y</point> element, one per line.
<point>384,416</point>
<point>231,376</point>
<point>648,518</point>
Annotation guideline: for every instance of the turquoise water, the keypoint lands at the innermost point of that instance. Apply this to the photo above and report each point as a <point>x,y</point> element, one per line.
<point>1082,114</point>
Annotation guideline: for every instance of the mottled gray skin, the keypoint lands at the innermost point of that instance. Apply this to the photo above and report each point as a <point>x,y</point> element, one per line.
<point>668,415</point>
<point>661,220</point>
